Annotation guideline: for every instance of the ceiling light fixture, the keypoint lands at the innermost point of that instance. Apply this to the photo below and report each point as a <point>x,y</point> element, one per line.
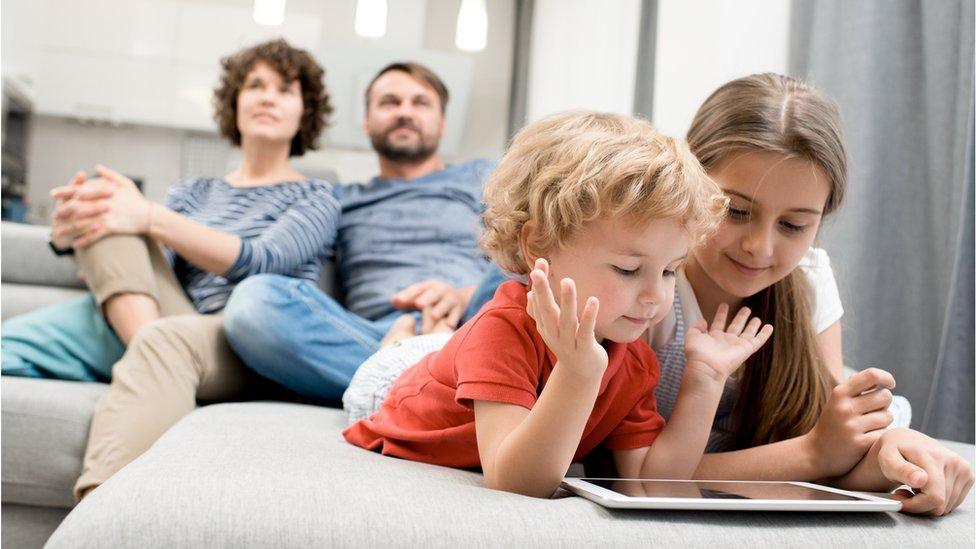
<point>371,18</point>
<point>472,26</point>
<point>269,12</point>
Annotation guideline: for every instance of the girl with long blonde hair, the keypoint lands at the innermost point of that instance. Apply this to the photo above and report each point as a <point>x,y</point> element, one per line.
<point>775,147</point>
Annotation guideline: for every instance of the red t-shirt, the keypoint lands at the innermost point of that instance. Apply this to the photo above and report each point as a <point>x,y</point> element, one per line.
<point>499,356</point>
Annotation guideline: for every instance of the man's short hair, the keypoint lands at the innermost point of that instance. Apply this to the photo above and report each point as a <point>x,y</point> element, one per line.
<point>417,71</point>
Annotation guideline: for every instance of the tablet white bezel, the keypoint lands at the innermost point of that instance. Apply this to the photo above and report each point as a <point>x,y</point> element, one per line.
<point>609,498</point>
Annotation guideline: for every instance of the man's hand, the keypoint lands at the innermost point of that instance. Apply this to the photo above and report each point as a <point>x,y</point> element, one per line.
<point>719,351</point>
<point>570,338</point>
<point>439,302</point>
<point>940,478</point>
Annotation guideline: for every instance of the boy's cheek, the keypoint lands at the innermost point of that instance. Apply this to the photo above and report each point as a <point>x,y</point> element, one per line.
<point>662,313</point>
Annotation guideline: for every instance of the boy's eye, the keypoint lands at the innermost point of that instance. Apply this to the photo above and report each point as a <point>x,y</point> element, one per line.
<point>669,273</point>
<point>736,213</point>
<point>625,272</point>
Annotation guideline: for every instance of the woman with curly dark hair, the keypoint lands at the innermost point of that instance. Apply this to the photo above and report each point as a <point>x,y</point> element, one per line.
<point>160,274</point>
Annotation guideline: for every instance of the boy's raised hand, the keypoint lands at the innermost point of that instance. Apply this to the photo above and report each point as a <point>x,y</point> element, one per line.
<point>719,350</point>
<point>569,337</point>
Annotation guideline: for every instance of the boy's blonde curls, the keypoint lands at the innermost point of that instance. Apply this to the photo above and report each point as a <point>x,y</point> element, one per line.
<point>578,166</point>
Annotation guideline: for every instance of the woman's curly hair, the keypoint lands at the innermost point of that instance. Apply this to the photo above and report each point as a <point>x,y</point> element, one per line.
<point>292,64</point>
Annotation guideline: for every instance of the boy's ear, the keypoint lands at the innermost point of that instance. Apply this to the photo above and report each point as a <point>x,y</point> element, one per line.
<point>527,239</point>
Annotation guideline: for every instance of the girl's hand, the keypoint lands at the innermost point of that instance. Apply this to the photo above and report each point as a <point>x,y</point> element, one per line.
<point>853,419</point>
<point>940,478</point>
<point>719,351</point>
<point>571,339</point>
<point>126,211</point>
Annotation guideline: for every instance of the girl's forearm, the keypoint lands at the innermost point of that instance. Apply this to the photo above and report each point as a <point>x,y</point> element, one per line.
<point>791,459</point>
<point>205,247</point>
<point>866,475</point>
<point>678,449</point>
<point>534,457</point>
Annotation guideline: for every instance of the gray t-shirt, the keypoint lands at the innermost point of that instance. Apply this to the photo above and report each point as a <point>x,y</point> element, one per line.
<point>395,232</point>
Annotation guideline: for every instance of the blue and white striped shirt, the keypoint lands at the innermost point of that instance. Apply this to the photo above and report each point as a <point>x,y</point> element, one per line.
<point>285,228</point>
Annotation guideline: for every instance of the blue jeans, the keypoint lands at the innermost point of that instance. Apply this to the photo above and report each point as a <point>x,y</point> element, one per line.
<point>291,332</point>
<point>68,340</point>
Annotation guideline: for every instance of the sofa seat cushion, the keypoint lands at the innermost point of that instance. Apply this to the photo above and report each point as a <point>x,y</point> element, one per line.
<point>275,474</point>
<point>45,430</point>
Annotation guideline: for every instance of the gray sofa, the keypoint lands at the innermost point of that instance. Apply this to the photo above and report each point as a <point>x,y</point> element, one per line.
<point>278,474</point>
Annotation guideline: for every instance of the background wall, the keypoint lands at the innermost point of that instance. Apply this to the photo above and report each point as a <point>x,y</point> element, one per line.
<point>138,49</point>
<point>701,44</point>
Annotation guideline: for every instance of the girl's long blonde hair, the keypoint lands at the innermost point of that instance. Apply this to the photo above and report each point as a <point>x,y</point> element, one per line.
<point>784,386</point>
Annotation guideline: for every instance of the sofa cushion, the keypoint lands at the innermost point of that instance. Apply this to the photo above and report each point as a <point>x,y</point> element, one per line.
<point>23,298</point>
<point>45,430</point>
<point>27,259</point>
<point>274,474</point>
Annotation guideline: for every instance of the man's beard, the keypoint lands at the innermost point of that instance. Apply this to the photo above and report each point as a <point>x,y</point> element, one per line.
<point>416,152</point>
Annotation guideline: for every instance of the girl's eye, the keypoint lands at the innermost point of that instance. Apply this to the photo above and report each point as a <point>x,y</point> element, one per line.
<point>791,228</point>
<point>625,272</point>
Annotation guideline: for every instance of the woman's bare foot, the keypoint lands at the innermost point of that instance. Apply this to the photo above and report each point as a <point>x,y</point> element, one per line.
<point>402,328</point>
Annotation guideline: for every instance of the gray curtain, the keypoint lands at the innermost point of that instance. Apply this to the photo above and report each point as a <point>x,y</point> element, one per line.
<point>902,244</point>
<point>646,46</point>
<point>520,65</point>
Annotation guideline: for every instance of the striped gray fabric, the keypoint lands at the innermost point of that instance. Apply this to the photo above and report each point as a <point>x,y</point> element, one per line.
<point>286,228</point>
<point>672,360</point>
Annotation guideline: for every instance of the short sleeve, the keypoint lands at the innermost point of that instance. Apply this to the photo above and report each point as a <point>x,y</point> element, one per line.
<point>826,306</point>
<point>497,361</point>
<point>640,428</point>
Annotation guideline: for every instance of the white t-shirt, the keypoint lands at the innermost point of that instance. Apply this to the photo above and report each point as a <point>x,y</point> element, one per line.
<point>667,339</point>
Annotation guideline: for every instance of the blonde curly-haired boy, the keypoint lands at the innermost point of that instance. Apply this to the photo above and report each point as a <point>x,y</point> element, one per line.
<point>605,209</point>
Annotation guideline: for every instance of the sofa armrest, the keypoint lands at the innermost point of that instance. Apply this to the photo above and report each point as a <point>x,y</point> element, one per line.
<point>28,260</point>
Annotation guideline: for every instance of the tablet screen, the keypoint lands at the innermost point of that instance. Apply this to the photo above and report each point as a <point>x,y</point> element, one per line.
<point>715,490</point>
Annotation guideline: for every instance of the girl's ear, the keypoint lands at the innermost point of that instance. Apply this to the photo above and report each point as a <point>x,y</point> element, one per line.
<point>527,238</point>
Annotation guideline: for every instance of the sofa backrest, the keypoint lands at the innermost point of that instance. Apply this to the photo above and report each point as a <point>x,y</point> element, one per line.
<point>34,277</point>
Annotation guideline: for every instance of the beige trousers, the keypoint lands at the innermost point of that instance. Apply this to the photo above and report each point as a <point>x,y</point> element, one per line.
<point>179,358</point>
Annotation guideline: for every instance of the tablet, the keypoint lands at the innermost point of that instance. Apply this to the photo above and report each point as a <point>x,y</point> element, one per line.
<point>725,495</point>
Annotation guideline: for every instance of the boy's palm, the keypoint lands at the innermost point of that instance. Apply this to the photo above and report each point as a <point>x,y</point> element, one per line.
<point>571,339</point>
<point>723,349</point>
